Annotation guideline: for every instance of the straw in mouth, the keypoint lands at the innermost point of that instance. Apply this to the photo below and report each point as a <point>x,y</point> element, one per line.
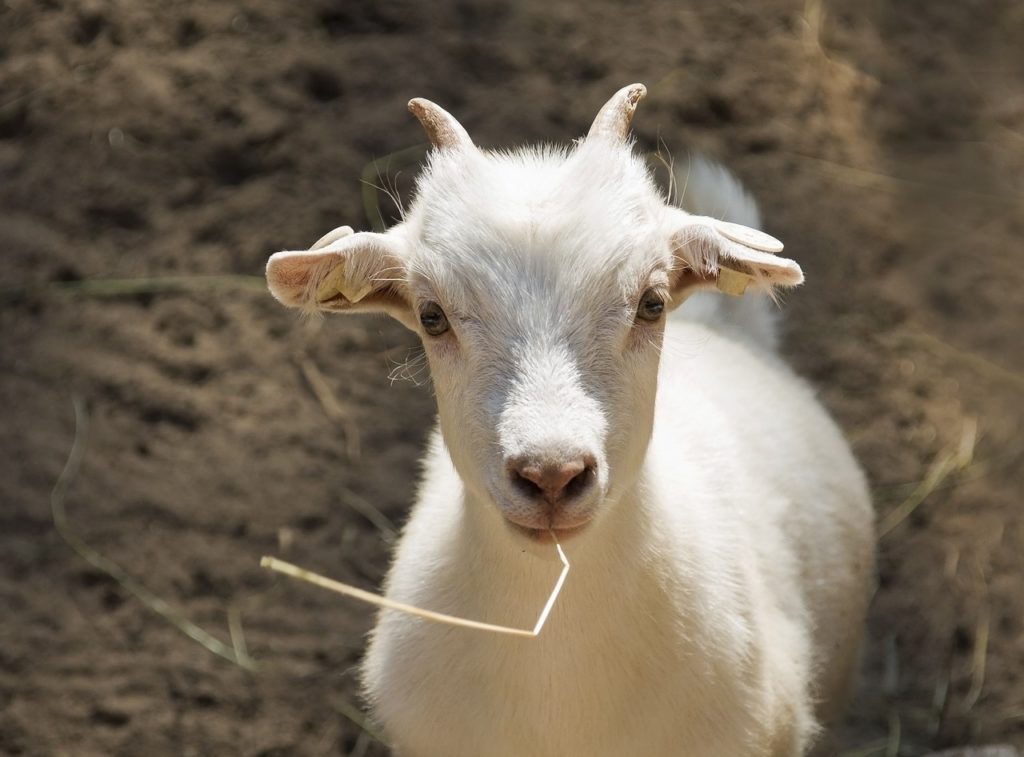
<point>280,566</point>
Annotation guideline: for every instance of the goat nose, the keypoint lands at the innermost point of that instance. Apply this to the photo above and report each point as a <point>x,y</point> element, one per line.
<point>553,481</point>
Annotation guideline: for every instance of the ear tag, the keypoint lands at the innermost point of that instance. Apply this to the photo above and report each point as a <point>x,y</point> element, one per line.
<point>337,282</point>
<point>332,284</point>
<point>353,294</point>
<point>748,237</point>
<point>732,282</point>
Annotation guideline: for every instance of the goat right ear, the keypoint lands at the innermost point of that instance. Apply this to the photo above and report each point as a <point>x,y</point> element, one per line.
<point>344,272</point>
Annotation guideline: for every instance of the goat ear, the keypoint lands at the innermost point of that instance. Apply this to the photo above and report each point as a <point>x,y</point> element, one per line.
<point>344,272</point>
<point>711,253</point>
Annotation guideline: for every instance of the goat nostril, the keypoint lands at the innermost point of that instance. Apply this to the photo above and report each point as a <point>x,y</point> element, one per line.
<point>579,482</point>
<point>552,481</point>
<point>526,487</point>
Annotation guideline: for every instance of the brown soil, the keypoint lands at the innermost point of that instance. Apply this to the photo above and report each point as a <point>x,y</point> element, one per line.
<point>141,138</point>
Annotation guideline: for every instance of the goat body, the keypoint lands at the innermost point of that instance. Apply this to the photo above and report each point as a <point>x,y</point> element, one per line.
<point>719,528</point>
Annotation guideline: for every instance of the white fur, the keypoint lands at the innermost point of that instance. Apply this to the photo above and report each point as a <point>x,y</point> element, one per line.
<point>708,189</point>
<point>719,587</point>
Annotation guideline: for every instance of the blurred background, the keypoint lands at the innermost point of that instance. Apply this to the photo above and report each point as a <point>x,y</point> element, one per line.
<point>154,153</point>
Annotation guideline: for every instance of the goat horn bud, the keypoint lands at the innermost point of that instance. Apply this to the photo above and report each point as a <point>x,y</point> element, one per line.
<point>613,119</point>
<point>441,127</point>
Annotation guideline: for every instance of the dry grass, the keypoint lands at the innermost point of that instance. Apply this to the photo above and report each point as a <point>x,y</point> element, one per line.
<point>236,652</point>
<point>132,287</point>
<point>943,349</point>
<point>293,571</point>
<point>375,179</point>
<point>983,626</point>
<point>332,407</point>
<point>951,461</point>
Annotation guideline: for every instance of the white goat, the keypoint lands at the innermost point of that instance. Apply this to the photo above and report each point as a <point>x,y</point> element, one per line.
<point>719,529</point>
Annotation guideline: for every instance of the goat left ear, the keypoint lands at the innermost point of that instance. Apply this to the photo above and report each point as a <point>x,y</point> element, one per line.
<point>344,272</point>
<point>711,253</point>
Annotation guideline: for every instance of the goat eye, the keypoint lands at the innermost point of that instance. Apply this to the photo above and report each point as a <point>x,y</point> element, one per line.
<point>651,306</point>
<point>433,319</point>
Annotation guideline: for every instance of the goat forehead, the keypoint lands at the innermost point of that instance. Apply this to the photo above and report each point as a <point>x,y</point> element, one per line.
<point>539,226</point>
<point>540,190</point>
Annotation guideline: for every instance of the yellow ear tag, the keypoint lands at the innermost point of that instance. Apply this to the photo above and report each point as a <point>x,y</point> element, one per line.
<point>337,282</point>
<point>353,293</point>
<point>332,284</point>
<point>732,282</point>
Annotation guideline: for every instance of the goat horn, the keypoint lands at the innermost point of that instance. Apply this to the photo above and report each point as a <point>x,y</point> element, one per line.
<point>441,127</point>
<point>613,119</point>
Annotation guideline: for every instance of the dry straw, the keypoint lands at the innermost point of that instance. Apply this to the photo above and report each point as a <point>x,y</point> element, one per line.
<point>272,563</point>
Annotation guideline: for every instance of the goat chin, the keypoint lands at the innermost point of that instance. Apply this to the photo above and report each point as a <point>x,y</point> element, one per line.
<point>722,533</point>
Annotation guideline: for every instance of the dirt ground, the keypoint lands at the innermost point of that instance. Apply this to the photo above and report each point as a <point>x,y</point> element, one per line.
<point>145,138</point>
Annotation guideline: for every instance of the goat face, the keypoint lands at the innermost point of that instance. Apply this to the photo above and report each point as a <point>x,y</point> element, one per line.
<point>538,281</point>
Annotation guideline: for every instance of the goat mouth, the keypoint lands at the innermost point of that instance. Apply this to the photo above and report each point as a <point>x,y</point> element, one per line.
<point>548,535</point>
